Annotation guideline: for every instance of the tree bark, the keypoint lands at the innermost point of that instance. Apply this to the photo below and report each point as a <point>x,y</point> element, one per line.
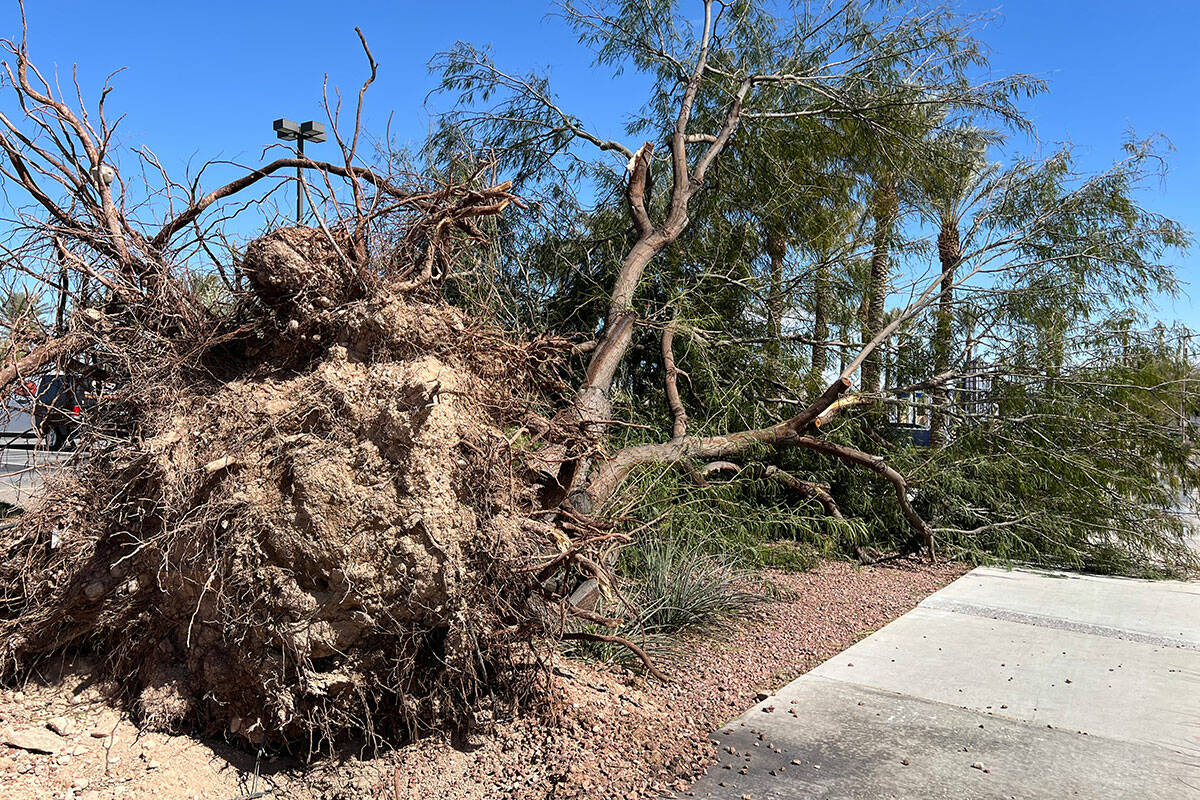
<point>879,466</point>
<point>41,355</point>
<point>609,473</point>
<point>592,404</point>
<point>674,403</point>
<point>884,205</point>
<point>949,254</point>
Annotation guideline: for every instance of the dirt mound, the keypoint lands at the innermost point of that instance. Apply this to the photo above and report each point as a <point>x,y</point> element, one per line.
<point>295,555</point>
<point>304,270</point>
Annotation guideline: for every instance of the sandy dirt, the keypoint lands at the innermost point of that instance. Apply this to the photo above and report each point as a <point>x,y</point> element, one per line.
<point>611,733</point>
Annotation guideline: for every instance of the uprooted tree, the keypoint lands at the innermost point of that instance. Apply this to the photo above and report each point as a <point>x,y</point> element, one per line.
<point>295,512</point>
<point>330,501</point>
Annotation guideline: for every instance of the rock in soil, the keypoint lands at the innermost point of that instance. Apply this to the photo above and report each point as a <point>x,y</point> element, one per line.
<point>34,740</point>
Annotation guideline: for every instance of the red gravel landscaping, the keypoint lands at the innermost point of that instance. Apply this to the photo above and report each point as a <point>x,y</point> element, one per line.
<point>624,737</point>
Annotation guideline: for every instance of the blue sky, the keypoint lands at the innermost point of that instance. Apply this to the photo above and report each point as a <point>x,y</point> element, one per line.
<point>204,80</point>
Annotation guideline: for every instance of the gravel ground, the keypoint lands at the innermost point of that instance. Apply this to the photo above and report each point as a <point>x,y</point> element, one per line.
<point>609,733</point>
<point>638,739</point>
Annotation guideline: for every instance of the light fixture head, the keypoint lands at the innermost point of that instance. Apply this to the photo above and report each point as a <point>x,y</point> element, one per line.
<point>312,131</point>
<point>104,174</point>
<point>286,129</point>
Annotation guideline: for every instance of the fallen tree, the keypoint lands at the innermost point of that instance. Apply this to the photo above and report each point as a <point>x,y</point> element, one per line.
<point>299,513</point>
<point>768,141</point>
<point>332,502</point>
<point>715,91</point>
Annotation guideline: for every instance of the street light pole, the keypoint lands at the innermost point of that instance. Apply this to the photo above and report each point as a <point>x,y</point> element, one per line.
<point>299,182</point>
<point>306,131</point>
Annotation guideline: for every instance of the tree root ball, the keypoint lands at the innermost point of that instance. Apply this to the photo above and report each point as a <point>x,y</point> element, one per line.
<point>301,556</point>
<point>300,271</point>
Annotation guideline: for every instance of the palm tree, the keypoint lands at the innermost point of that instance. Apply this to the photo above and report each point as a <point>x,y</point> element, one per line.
<point>884,205</point>
<point>789,177</point>
<point>828,245</point>
<point>884,164</point>
<point>950,186</point>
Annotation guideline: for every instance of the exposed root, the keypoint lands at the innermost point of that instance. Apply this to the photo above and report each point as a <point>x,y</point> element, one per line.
<point>633,648</point>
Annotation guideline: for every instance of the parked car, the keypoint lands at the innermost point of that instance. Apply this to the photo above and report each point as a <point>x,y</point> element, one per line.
<point>17,429</point>
<point>47,408</point>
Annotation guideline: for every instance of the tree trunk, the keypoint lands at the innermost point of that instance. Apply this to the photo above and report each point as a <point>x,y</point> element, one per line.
<point>592,400</point>
<point>884,205</point>
<point>776,249</point>
<point>592,407</point>
<point>949,254</point>
<point>820,329</point>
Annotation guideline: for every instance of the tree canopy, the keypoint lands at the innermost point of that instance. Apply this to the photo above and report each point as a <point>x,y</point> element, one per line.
<point>841,193</point>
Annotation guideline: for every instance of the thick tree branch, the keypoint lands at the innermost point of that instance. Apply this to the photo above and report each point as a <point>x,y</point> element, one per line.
<point>806,489</point>
<point>609,473</point>
<point>639,178</point>
<point>681,188</point>
<point>678,412</point>
<point>878,465</point>
<point>41,355</point>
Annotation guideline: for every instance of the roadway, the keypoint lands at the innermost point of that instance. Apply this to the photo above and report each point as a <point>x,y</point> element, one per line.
<point>21,472</point>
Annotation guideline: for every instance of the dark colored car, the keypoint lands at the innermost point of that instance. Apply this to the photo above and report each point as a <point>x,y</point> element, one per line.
<point>52,405</point>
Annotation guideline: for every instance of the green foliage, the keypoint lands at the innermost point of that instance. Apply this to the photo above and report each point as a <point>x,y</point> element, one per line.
<point>679,585</point>
<point>1086,470</point>
<point>1077,459</point>
<point>671,587</point>
<point>743,518</point>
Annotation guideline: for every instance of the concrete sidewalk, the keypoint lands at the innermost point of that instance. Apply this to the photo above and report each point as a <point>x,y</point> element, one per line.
<point>1018,684</point>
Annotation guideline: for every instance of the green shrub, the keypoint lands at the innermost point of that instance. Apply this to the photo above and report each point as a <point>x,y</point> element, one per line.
<point>671,587</point>
<point>677,585</point>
